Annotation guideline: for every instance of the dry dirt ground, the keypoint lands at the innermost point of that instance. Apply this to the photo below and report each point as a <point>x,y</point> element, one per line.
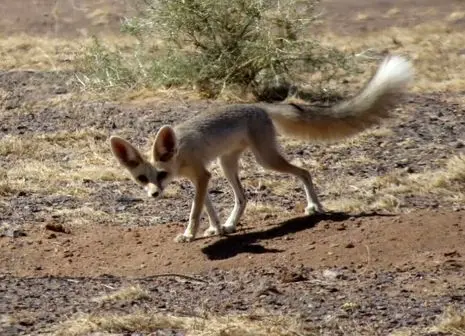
<point>83,251</point>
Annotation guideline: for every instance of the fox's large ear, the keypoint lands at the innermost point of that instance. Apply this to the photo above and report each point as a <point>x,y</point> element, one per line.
<point>126,153</point>
<point>165,145</point>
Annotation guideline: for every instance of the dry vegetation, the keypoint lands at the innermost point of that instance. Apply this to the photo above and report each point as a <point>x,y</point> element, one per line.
<point>56,162</point>
<point>258,324</point>
<point>435,48</point>
<point>446,183</point>
<point>203,324</point>
<point>24,52</point>
<point>248,325</point>
<point>200,325</point>
<point>452,322</point>
<point>127,294</point>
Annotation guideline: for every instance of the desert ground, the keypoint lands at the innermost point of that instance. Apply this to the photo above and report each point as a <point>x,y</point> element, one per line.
<point>84,252</point>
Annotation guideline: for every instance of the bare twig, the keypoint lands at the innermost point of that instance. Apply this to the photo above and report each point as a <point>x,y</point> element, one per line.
<point>162,275</point>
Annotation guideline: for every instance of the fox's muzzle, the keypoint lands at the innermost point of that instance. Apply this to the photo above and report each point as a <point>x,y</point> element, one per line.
<point>153,190</point>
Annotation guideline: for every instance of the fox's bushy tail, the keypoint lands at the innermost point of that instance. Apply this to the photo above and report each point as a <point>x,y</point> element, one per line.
<point>369,107</point>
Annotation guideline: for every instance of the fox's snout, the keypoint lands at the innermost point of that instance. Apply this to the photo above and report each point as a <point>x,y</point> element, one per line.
<point>153,190</point>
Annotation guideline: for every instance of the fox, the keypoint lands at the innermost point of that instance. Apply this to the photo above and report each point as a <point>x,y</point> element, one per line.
<point>187,149</point>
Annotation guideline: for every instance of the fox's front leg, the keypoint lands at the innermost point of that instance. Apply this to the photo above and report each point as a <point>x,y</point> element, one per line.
<point>201,185</point>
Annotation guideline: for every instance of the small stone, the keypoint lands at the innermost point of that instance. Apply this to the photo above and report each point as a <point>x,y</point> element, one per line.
<point>16,233</point>
<point>409,170</point>
<point>341,227</point>
<point>6,231</point>
<point>350,245</point>
<point>330,274</point>
<point>56,227</point>
<point>61,90</point>
<point>453,253</point>
<point>457,144</point>
<point>289,277</point>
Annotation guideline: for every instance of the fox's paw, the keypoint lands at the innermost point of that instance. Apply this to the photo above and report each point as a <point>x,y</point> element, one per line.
<point>313,209</point>
<point>183,238</point>
<point>228,228</point>
<point>212,231</point>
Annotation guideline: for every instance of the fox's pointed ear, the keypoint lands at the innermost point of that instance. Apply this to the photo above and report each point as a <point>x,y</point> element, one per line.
<point>165,145</point>
<point>126,153</point>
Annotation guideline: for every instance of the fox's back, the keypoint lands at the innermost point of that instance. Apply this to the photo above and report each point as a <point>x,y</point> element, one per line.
<point>222,130</point>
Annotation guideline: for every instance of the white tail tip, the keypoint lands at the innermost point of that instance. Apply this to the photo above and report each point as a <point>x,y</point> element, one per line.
<point>395,70</point>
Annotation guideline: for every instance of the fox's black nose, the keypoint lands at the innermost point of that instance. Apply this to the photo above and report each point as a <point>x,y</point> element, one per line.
<point>155,194</point>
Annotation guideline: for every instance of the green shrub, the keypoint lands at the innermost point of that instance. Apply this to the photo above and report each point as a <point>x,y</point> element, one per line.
<point>250,45</point>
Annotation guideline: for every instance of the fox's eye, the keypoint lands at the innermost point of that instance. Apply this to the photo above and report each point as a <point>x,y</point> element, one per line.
<point>142,179</point>
<point>162,175</point>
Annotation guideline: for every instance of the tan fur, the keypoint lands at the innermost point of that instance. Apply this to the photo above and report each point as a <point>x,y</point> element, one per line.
<point>369,107</point>
<point>188,148</point>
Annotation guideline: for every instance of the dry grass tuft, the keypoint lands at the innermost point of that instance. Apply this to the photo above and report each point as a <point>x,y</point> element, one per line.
<point>259,208</point>
<point>362,16</point>
<point>452,322</point>
<point>435,48</point>
<point>5,186</point>
<point>455,16</point>
<point>345,204</point>
<point>386,192</point>
<point>20,317</point>
<point>455,171</point>
<point>57,162</point>
<point>392,12</point>
<point>100,16</point>
<point>248,325</point>
<point>86,215</point>
<point>24,52</point>
<point>6,189</point>
<point>128,294</point>
<point>404,332</point>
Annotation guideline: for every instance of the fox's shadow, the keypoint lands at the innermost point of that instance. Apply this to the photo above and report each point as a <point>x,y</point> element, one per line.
<point>248,242</point>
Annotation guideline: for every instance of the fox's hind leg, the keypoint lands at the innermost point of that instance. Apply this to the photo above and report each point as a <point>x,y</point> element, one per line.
<point>214,227</point>
<point>267,154</point>
<point>230,165</point>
